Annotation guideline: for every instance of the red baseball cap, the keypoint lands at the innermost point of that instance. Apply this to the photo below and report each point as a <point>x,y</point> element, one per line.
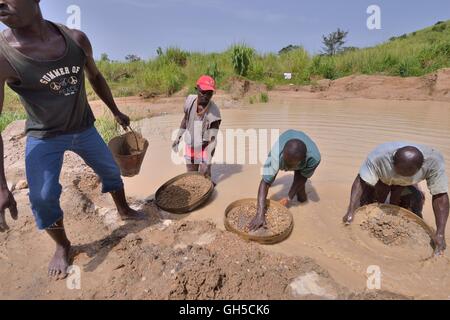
<point>206,83</point>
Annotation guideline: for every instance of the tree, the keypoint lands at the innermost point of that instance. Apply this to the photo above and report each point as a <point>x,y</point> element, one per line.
<point>334,41</point>
<point>289,48</point>
<point>104,57</point>
<point>132,58</point>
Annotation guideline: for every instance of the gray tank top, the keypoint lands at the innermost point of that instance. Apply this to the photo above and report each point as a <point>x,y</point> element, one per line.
<point>52,92</point>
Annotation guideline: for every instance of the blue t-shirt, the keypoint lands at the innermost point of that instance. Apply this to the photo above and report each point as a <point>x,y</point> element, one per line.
<point>275,163</point>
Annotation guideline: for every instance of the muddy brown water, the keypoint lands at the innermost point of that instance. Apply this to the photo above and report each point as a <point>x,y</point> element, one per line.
<point>345,131</point>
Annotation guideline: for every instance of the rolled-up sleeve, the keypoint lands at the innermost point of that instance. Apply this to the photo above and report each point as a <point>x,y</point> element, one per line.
<point>271,167</point>
<point>368,173</point>
<point>311,167</point>
<point>437,179</point>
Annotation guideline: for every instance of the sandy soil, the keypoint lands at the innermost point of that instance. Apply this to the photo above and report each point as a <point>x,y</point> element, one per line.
<point>191,256</point>
<point>434,86</point>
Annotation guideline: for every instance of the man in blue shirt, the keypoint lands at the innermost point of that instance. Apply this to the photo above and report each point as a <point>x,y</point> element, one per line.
<point>294,151</point>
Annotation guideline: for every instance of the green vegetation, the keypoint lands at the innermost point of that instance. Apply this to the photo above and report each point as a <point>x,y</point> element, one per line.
<point>10,116</point>
<point>173,69</point>
<point>242,57</point>
<point>414,54</point>
<point>263,97</point>
<point>107,127</point>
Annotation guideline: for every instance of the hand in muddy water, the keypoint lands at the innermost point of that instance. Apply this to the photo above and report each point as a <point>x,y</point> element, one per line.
<point>259,221</point>
<point>7,202</point>
<point>440,245</point>
<point>348,218</point>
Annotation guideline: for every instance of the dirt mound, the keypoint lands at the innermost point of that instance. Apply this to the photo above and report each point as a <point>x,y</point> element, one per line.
<point>388,231</point>
<point>194,260</point>
<point>240,88</point>
<point>434,86</point>
<point>393,229</point>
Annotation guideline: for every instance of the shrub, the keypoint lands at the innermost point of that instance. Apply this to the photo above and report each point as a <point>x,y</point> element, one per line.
<point>324,66</point>
<point>241,59</point>
<point>177,56</point>
<point>439,27</point>
<point>166,78</point>
<point>263,97</point>
<point>408,67</point>
<point>214,71</point>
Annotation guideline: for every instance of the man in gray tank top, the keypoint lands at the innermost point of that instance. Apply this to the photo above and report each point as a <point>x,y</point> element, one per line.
<point>44,64</point>
<point>200,125</point>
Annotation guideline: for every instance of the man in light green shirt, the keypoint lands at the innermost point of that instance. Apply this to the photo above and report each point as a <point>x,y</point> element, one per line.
<point>294,151</point>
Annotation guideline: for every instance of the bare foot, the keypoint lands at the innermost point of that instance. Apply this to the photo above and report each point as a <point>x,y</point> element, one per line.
<point>130,214</point>
<point>57,268</point>
<point>302,197</point>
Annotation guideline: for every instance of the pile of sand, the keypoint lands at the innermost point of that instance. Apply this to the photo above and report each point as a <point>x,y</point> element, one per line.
<point>389,233</point>
<point>393,229</point>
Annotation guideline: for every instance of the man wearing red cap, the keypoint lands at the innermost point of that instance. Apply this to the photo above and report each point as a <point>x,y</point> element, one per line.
<point>201,124</point>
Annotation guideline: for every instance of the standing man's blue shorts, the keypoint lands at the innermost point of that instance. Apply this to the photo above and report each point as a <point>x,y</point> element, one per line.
<point>44,159</point>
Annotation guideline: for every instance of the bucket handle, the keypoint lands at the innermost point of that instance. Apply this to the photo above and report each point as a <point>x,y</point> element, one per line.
<point>134,134</point>
<point>135,137</point>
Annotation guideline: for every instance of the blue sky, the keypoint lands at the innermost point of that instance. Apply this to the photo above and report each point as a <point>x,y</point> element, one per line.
<point>120,27</point>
